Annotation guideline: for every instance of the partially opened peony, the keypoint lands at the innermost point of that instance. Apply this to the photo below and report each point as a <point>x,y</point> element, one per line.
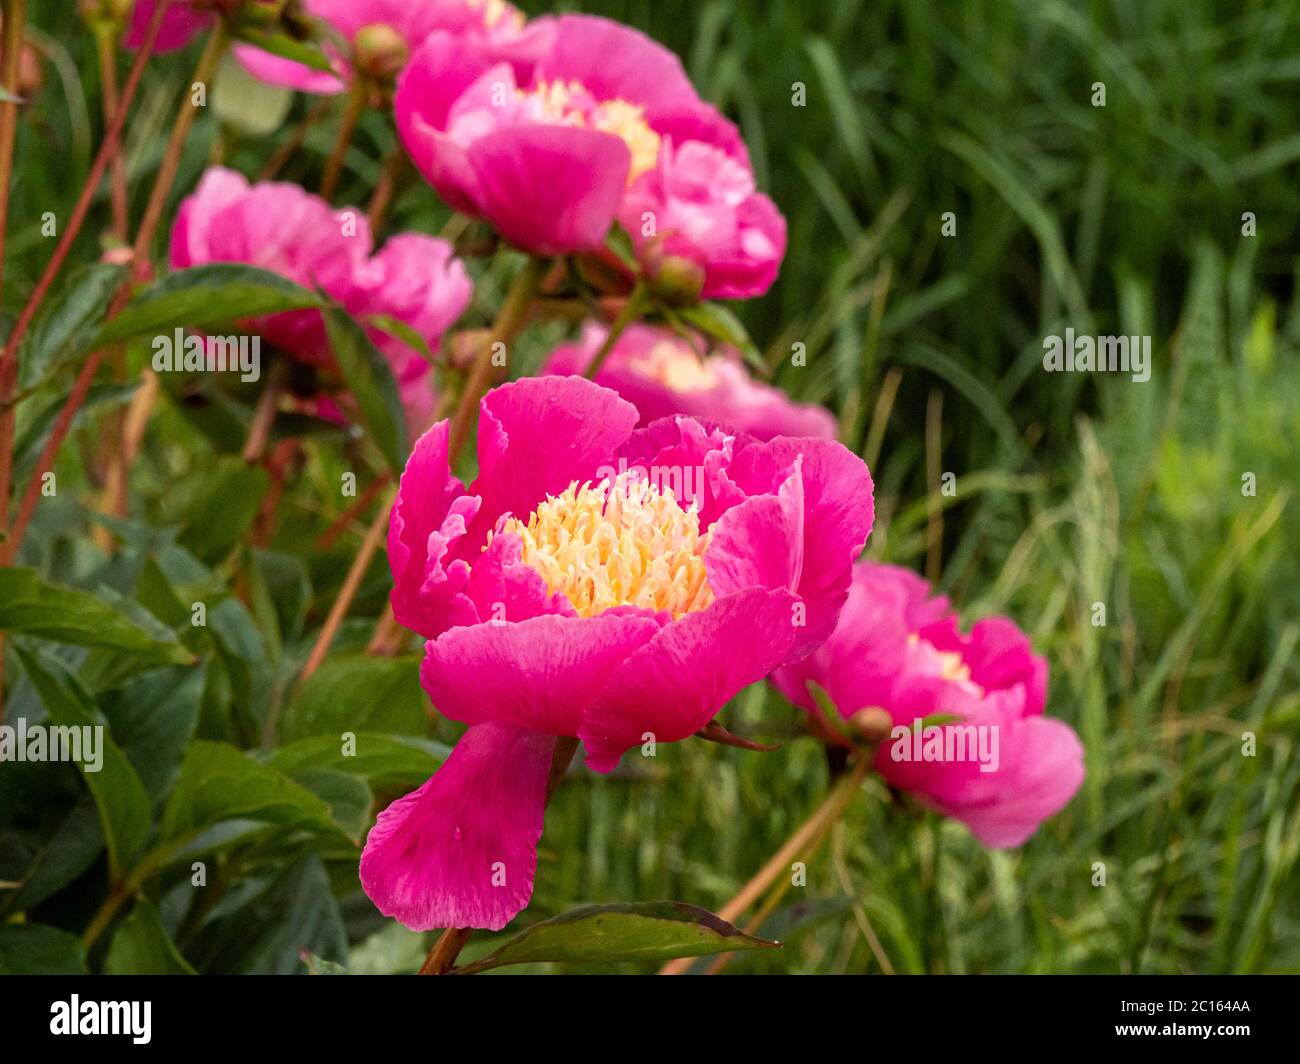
<point>597,581</point>
<point>986,756</point>
<point>280,228</point>
<point>661,375</point>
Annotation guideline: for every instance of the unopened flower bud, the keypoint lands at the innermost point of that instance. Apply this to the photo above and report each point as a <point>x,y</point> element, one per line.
<point>379,52</point>
<point>873,725</point>
<point>672,274</point>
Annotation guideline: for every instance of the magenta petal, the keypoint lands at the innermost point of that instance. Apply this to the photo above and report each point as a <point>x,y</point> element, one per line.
<point>1042,766</point>
<point>429,515</point>
<point>838,511</point>
<point>462,850</point>
<point>538,435</point>
<point>539,673</point>
<point>550,189</point>
<point>674,685</point>
<point>276,70</point>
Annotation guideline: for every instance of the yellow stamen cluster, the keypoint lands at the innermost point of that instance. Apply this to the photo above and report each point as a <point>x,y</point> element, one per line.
<point>677,367</point>
<point>951,666</point>
<point>618,543</point>
<point>624,120</point>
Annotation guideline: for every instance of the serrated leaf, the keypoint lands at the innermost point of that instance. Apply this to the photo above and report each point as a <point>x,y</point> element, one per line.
<point>645,933</point>
<point>31,606</point>
<point>124,805</point>
<point>370,380</point>
<point>206,295</point>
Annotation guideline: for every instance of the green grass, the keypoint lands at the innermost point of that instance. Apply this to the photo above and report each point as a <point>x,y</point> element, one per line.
<point>1071,491</point>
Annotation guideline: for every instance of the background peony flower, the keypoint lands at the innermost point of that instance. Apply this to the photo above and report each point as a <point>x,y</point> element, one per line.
<point>281,228</point>
<point>899,649</point>
<point>544,147</point>
<point>658,372</point>
<point>184,20</point>
<point>487,24</point>
<point>565,594</point>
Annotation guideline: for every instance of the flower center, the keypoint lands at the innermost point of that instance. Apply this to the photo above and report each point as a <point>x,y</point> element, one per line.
<point>677,367</point>
<point>568,103</point>
<point>946,664</point>
<point>624,542</point>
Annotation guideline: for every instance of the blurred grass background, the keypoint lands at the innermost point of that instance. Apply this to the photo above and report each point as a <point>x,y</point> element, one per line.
<point>1071,490</point>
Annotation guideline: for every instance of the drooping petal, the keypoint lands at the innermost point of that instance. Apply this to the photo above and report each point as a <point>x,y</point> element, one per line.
<point>674,685</point>
<point>461,851</point>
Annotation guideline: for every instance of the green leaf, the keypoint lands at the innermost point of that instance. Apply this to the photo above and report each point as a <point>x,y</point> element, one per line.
<point>124,805</point>
<point>716,321</point>
<point>354,692</point>
<point>141,946</point>
<point>31,606</point>
<point>218,782</point>
<point>370,380</point>
<point>348,797</point>
<point>64,329</point>
<point>398,329</point>
<point>205,295</point>
<point>645,932</point>
<point>153,717</point>
<point>223,507</point>
<point>388,761</point>
<point>34,949</point>
<point>319,966</point>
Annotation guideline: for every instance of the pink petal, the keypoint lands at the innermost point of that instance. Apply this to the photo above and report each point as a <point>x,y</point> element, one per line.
<point>678,681</point>
<point>462,850</point>
<point>540,673</point>
<point>550,189</point>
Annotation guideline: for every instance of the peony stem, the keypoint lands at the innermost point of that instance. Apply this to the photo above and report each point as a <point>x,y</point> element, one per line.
<point>107,49</point>
<point>510,319</point>
<point>632,311</point>
<point>807,834</point>
<point>351,114</point>
<point>442,957</point>
<point>349,589</point>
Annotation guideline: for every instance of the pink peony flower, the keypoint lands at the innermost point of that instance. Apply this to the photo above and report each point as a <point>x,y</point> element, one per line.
<point>658,372</point>
<point>598,581</point>
<point>283,229</point>
<point>184,20</point>
<point>900,650</point>
<point>398,27</point>
<point>545,149</point>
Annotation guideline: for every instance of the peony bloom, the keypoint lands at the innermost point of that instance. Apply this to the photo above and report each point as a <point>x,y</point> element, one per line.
<point>184,20</point>
<point>283,229</point>
<point>900,650</point>
<point>598,581</point>
<point>659,373</point>
<point>545,149</point>
<point>386,32</point>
